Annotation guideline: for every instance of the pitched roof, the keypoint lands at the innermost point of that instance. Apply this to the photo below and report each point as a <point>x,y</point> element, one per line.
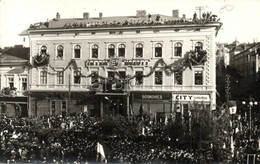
<point>16,53</point>
<point>54,23</point>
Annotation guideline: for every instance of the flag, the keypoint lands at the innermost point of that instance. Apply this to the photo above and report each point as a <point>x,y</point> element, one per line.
<point>232,107</point>
<point>101,151</point>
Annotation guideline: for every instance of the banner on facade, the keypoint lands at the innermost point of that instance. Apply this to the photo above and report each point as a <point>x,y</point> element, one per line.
<point>191,97</point>
<point>152,96</point>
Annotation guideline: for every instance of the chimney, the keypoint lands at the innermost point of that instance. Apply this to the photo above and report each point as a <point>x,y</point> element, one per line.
<point>141,13</point>
<point>100,15</point>
<point>58,16</point>
<point>85,16</point>
<point>175,13</point>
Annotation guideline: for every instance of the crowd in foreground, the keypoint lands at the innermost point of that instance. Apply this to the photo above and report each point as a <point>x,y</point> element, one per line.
<point>73,139</point>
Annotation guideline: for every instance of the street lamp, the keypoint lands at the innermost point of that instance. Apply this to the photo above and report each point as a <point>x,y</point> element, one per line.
<point>251,103</point>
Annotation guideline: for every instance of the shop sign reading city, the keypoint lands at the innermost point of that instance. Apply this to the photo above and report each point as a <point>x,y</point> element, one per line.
<point>190,97</point>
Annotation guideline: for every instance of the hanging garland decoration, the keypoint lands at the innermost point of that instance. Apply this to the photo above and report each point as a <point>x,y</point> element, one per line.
<point>190,58</point>
<point>41,59</point>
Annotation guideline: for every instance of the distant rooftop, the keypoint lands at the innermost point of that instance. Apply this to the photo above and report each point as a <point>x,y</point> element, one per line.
<point>17,52</point>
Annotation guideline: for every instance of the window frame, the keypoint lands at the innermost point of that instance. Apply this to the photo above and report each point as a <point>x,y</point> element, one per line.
<point>201,76</point>
<point>43,77</point>
<point>158,47</point>
<point>58,49</point>
<point>60,78</point>
<point>160,77</point>
<point>74,77</point>
<point>142,80</point>
<point>109,48</point>
<point>43,49</point>
<point>78,48</point>
<point>177,47</point>
<point>10,79</point>
<point>122,47</point>
<point>176,76</point>
<point>96,79</point>
<point>198,46</point>
<point>94,47</point>
<point>139,46</point>
<point>24,80</point>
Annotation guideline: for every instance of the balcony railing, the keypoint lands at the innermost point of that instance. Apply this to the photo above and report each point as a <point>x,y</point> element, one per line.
<point>124,88</point>
<point>116,62</point>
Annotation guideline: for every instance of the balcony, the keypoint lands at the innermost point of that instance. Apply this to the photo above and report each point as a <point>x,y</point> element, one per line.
<point>170,88</point>
<point>117,62</point>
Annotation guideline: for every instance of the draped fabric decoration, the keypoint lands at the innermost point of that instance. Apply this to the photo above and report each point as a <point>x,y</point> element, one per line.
<point>41,60</point>
<point>190,58</point>
<point>198,57</point>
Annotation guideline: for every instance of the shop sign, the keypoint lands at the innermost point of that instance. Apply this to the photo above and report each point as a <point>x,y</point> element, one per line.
<point>190,97</point>
<point>152,96</point>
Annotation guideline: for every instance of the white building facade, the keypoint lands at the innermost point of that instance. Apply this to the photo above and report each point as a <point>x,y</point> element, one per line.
<point>153,64</point>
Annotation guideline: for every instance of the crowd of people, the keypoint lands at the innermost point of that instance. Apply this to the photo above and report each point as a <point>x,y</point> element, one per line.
<point>206,18</point>
<point>71,139</point>
<point>74,138</point>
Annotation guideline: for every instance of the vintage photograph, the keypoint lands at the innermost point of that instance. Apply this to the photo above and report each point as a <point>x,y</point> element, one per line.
<point>127,81</point>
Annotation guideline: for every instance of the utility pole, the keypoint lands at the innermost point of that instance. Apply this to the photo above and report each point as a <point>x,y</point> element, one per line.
<point>200,8</point>
<point>69,94</point>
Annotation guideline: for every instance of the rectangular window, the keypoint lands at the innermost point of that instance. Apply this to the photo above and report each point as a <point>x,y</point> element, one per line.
<point>111,52</point>
<point>53,107</point>
<point>24,83</point>
<point>122,74</point>
<point>110,75</point>
<point>94,77</point>
<point>94,53</point>
<point>158,51</point>
<point>43,77</point>
<point>11,82</point>
<point>178,78</point>
<point>60,77</point>
<point>158,77</point>
<point>77,53</point>
<point>139,77</point>
<point>198,78</point>
<point>64,105</point>
<point>121,52</point>
<point>177,51</point>
<point>77,77</point>
<point>139,52</point>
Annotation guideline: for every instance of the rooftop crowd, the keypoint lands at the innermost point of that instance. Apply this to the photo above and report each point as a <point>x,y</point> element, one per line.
<point>206,18</point>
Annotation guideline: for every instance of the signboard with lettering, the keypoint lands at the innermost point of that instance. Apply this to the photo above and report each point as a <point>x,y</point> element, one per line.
<point>191,97</point>
<point>152,96</point>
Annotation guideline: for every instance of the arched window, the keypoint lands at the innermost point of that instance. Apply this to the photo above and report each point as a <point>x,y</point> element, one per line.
<point>77,51</point>
<point>60,52</point>
<point>43,50</point>
<point>94,51</point>
<point>139,50</point>
<point>177,49</point>
<point>121,50</point>
<point>158,50</point>
<point>198,46</point>
<point>111,51</point>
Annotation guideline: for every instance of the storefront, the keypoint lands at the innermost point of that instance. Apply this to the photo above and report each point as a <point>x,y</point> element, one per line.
<point>184,102</point>
<point>156,105</point>
<point>14,106</point>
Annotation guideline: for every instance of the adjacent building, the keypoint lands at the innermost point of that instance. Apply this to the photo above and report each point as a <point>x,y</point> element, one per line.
<point>124,65</point>
<point>14,81</point>
<point>246,62</point>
